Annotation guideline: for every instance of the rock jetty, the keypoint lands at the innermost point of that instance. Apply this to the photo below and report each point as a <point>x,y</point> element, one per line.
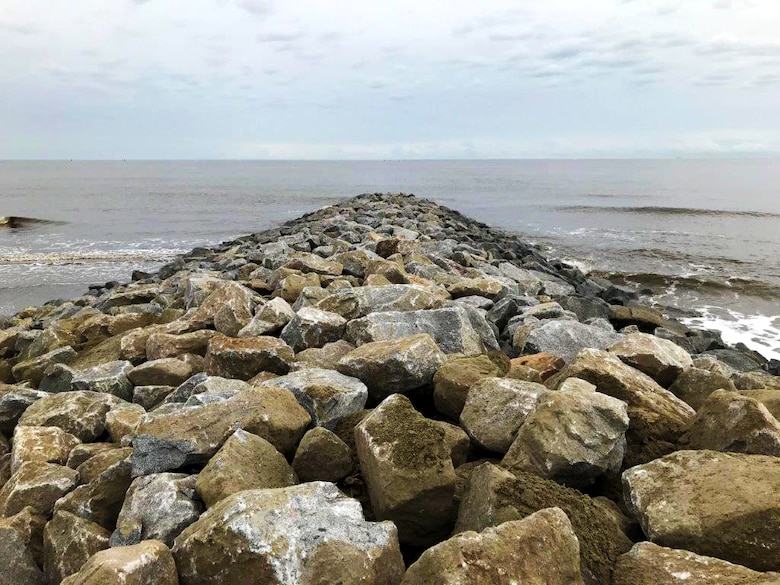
<point>381,392</point>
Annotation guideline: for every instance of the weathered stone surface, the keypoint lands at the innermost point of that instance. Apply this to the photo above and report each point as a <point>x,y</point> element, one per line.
<point>122,422</point>
<point>19,567</point>
<point>192,435</point>
<point>495,496</point>
<point>81,413</point>
<point>307,534</point>
<point>290,287</point>
<point>157,507</point>
<point>546,364</point>
<point>228,308</point>
<point>327,395</point>
<point>454,379</point>
<point>496,408</point>
<point>518,551</point>
<point>406,464</point>
<point>649,564</point>
<point>68,543</point>
<point>715,504</point>
<point>728,421</point>
<point>150,396</point>
<point>38,485</point>
<point>563,338</point>
<point>84,451</point>
<point>769,397</point>
<point>14,400</point>
<point>32,370</point>
<point>660,359</point>
<point>353,303</point>
<point>140,564</point>
<point>162,372</point>
<point>105,478</point>
<point>163,345</point>
<point>313,263</point>
<point>244,462</point>
<point>271,317</point>
<point>326,357</point>
<point>313,327</point>
<point>572,437</point>
<point>322,456</point>
<point>107,378</point>
<point>454,329</point>
<point>387,367</point>
<point>42,445</point>
<point>655,413</point>
<point>28,525</point>
<point>245,357</point>
<point>694,385</point>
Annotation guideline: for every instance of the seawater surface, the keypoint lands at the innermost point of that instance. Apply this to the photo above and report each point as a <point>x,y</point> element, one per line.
<point>703,235</point>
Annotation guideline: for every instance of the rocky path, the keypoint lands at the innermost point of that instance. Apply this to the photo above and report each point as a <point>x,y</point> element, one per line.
<point>381,392</point>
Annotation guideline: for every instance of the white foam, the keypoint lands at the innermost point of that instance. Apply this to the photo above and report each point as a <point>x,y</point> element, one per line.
<point>758,332</point>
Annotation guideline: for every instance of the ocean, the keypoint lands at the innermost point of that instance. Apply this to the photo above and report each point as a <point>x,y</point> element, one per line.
<point>700,236</point>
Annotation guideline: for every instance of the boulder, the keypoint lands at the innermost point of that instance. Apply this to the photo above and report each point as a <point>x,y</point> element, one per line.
<point>769,397</point>
<point>327,395</point>
<point>245,357</point>
<point>269,318</point>
<point>162,372</point>
<point>495,496</point>
<point>108,378</point>
<point>454,329</point>
<point>326,357</point>
<point>694,385</point>
<point>32,370</point>
<point>81,413</point>
<point>649,564</point>
<point>140,564</point>
<point>546,364</point>
<point>496,408</point>
<point>728,421</point>
<point>20,567</point>
<point>28,526</point>
<point>105,479</point>
<point>714,504</point>
<point>150,396</point>
<point>517,551</point>
<point>572,437</point>
<point>660,359</point>
<point>164,345</point>
<point>14,400</point>
<point>38,485</point>
<point>157,507</point>
<point>397,366</point>
<point>655,413</point>
<point>312,263</point>
<point>322,456</point>
<point>42,445</point>
<point>193,434</point>
<point>563,338</point>
<point>405,462</point>
<point>353,303</point>
<point>244,462</point>
<point>68,543</point>
<point>306,534</point>
<point>228,308</point>
<point>454,379</point>
<point>313,327</point>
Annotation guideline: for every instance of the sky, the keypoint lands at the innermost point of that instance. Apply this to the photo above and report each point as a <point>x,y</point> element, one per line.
<point>388,79</point>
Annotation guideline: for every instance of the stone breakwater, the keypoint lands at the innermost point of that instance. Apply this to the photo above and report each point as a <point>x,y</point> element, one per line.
<point>381,392</point>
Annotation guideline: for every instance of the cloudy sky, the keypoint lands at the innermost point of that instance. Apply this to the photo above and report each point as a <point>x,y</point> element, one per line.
<point>341,79</point>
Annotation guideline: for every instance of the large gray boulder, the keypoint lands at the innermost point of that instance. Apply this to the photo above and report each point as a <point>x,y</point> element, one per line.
<point>454,329</point>
<point>661,359</point>
<point>563,338</point>
<point>396,366</point>
<point>327,395</point>
<point>509,553</point>
<point>714,504</point>
<point>312,327</point>
<point>157,507</point>
<point>307,534</point>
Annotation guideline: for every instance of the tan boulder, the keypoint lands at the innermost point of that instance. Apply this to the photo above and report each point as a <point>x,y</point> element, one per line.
<point>68,543</point>
<point>715,504</point>
<point>38,485</point>
<point>322,456</point>
<point>140,564</point>
<point>41,444</point>
<point>406,464</point>
<point>694,385</point>
<point>546,364</point>
<point>244,462</point>
<point>81,413</point>
<point>454,379</point>
<point>245,357</point>
<point>163,345</point>
<point>162,372</point>
<point>661,359</point>
<point>518,551</point>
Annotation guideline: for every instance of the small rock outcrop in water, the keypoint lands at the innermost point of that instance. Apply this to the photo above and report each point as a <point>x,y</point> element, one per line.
<point>382,392</point>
